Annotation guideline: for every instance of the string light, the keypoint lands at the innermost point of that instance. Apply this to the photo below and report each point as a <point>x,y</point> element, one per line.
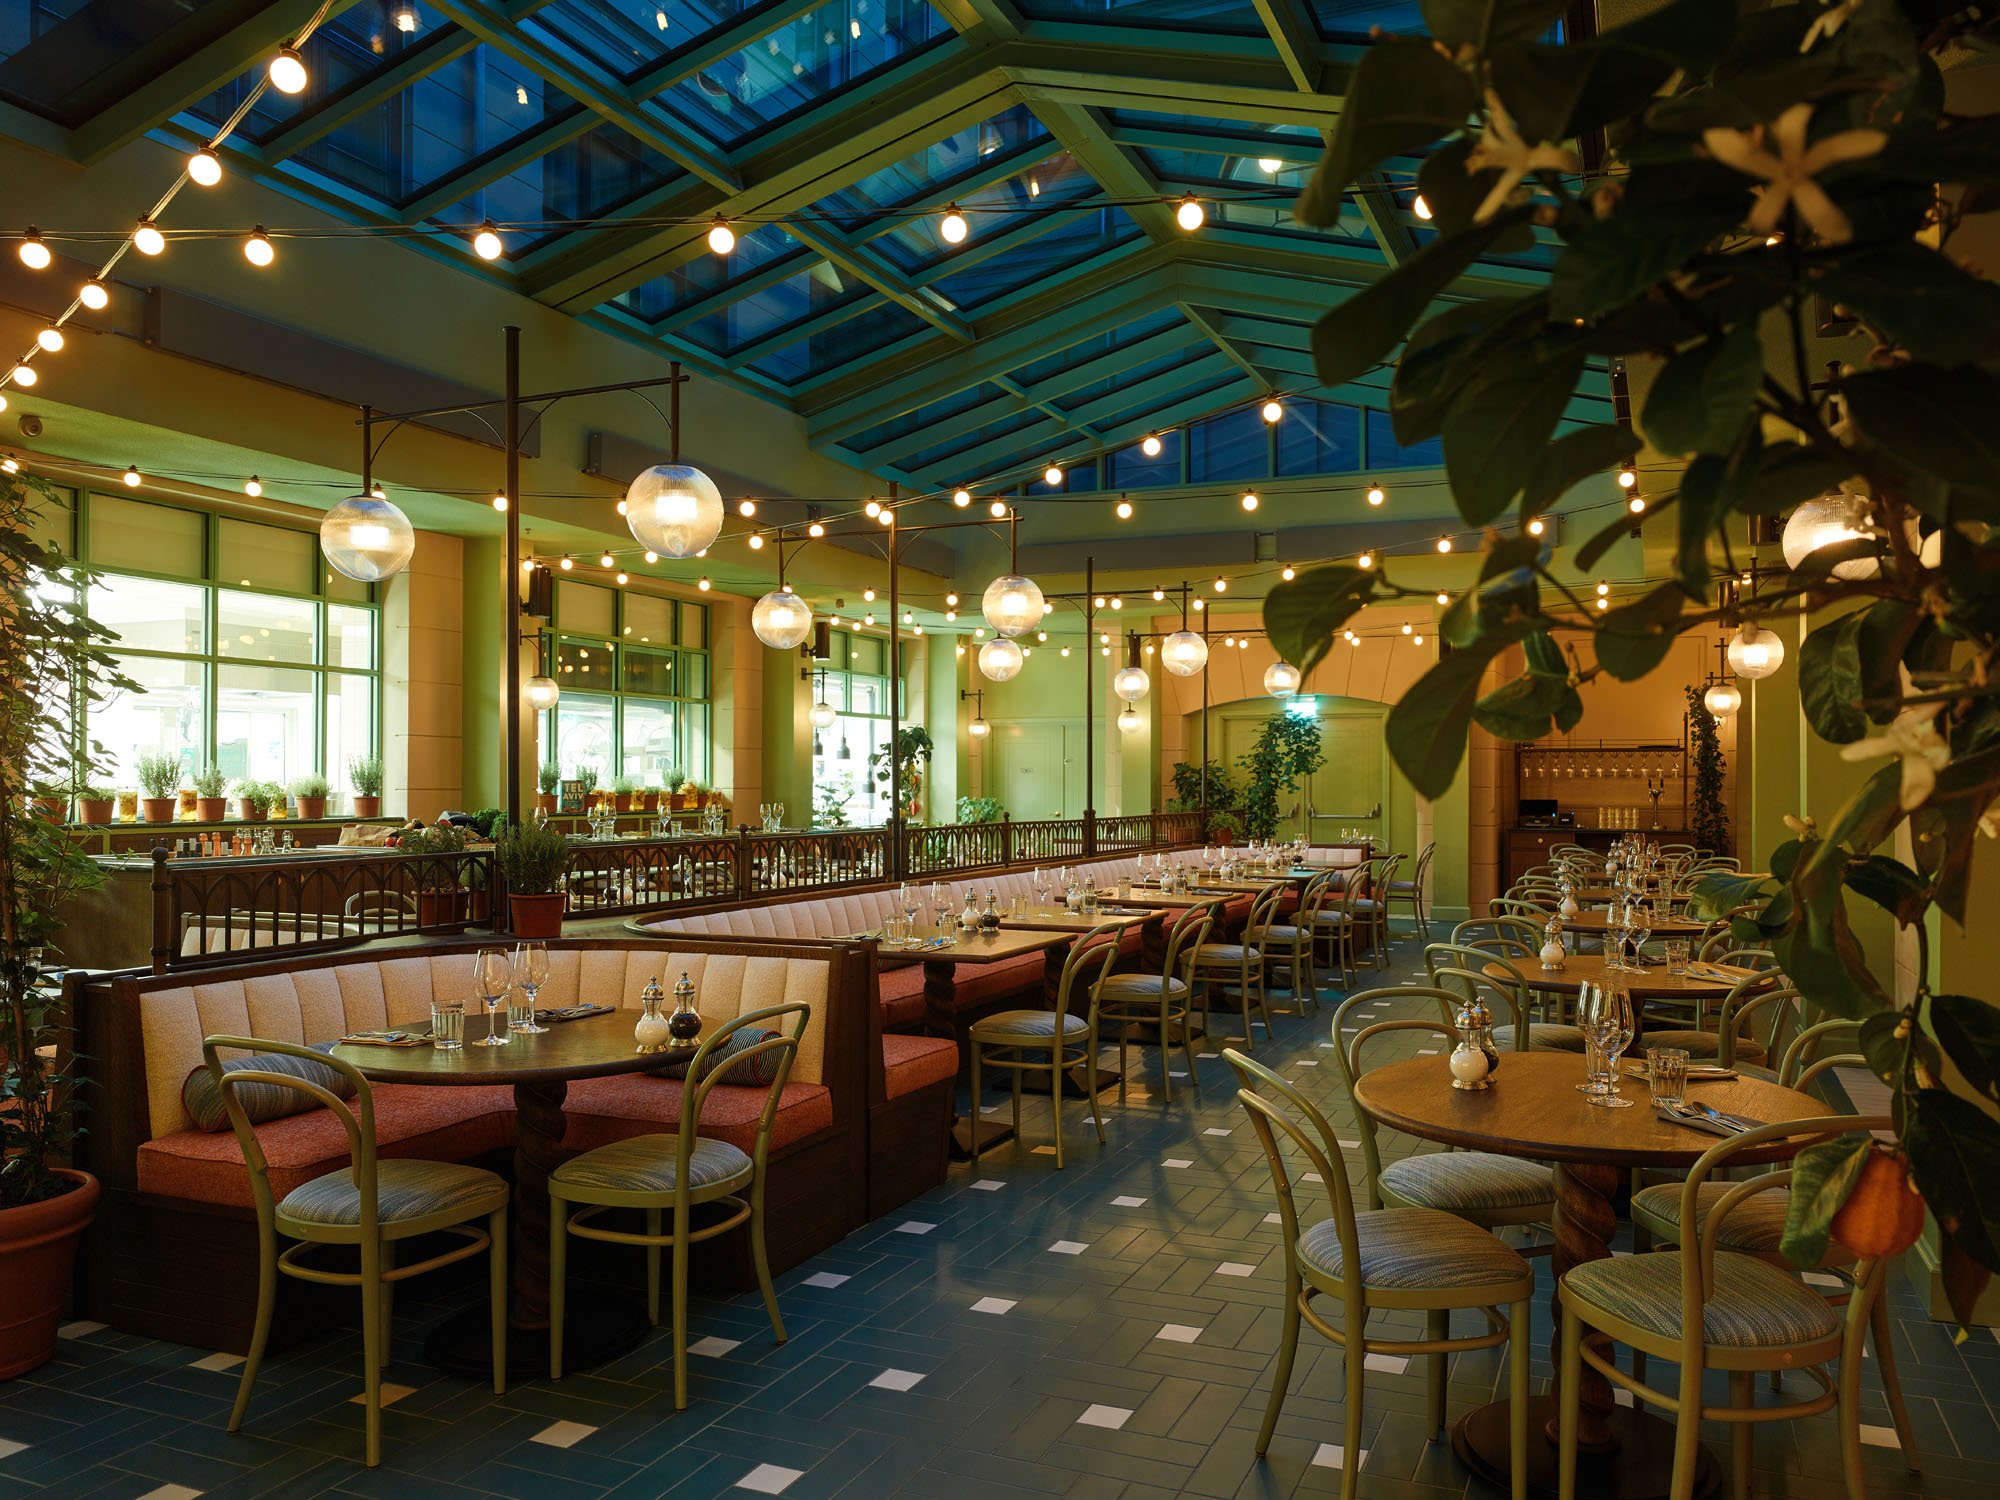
<point>961,498</point>
<point>1249,499</point>
<point>1407,628</point>
<point>147,239</point>
<point>624,577</point>
<point>704,585</point>
<point>721,238</point>
<point>1123,509</point>
<point>92,294</point>
<point>258,249</point>
<point>756,541</point>
<point>499,502</point>
<point>953,226</point>
<point>288,71</point>
<point>1416,640</point>
<point>746,507</point>
<point>1159,594</point>
<point>1098,602</point>
<point>1636,505</point>
<point>1443,597</point>
<point>204,168</point>
<point>1221,584</point>
<point>869,595</point>
<point>1603,588</point>
<point>1444,544</point>
<point>34,254</point>
<point>815,529</point>
<point>253,486</point>
<point>1376,494</point>
<point>132,477</point>
<point>1052,475</point>
<point>951,600</point>
<point>24,375</point>
<point>1536,527</point>
<point>1288,572</point>
<point>1628,477</point>
<point>487,244</point>
<point>1200,604</point>
<point>872,509</point>
<point>1365,561</point>
<point>1274,410</point>
<point>605,560</point>
<point>651,556</point>
<point>997,509</point>
<point>1604,604</point>
<point>1190,215</point>
<point>50,338</point>
<point>1419,207</point>
<point>1117,602</point>
<point>886,516</point>
<point>1150,445</point>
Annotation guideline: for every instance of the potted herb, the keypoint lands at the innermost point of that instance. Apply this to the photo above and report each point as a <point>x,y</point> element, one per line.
<point>50,797</point>
<point>548,782</point>
<point>623,789</point>
<point>253,800</point>
<point>211,805</point>
<point>441,900</point>
<point>676,788</point>
<point>586,780</point>
<point>364,774</point>
<point>310,793</point>
<point>160,780</point>
<point>53,675</point>
<point>1225,828</point>
<point>95,805</point>
<point>647,799</point>
<point>532,859</point>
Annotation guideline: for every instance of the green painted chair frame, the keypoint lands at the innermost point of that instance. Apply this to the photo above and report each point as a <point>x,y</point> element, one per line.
<point>1412,890</point>
<point>1289,945</point>
<point>1507,937</point>
<point>992,1045</point>
<point>1840,1392</point>
<point>566,1193</point>
<point>1468,977</point>
<point>1124,1001</point>
<point>1276,1109</point>
<point>1336,923</point>
<point>374,1240</point>
<point>1372,909</point>
<point>1238,966</point>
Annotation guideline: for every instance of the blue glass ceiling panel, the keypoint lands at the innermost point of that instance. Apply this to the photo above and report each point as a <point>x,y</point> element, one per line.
<point>580,180</point>
<point>1199,396</point>
<point>1384,452</point>
<point>800,63</point>
<point>1351,20</point>
<point>1244,173</point>
<point>1166,363</point>
<point>67,59</point>
<point>1077,476</point>
<point>1046,256</point>
<point>350,48</point>
<point>1234,17</point>
<point>923,174</point>
<point>1319,437</point>
<point>708,274</point>
<point>630,37</point>
<point>1129,469</point>
<point>1234,445</point>
<point>1227,134</point>
<point>1039,190</point>
<point>850,339</point>
<point>815,288</point>
<point>915,422</point>
<point>940,454</point>
<point>1067,358</point>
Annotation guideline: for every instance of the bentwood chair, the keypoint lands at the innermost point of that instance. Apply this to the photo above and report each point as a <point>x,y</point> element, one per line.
<point>1289,945</point>
<point>1482,1187</point>
<point>1165,999</point>
<point>1050,1041</point>
<point>1413,890</point>
<point>1706,1307</point>
<point>1239,966</point>
<point>1510,937</point>
<point>372,1205</point>
<point>1335,923</point>
<point>658,1174</point>
<point>1371,908</point>
<point>1468,973</point>
<point>1381,1260</point>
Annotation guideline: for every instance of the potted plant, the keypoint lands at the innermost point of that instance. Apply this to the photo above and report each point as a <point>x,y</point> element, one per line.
<point>647,799</point>
<point>253,800</point>
<point>160,780</point>
<point>676,788</point>
<point>548,783</point>
<point>49,796</point>
<point>981,810</point>
<point>364,775</point>
<point>623,789</point>
<point>1225,828</point>
<point>532,859</point>
<point>913,753</point>
<point>1286,753</point>
<point>52,673</point>
<point>210,803</point>
<point>697,794</point>
<point>586,781</point>
<point>441,898</point>
<point>95,805</point>
<point>309,792</point>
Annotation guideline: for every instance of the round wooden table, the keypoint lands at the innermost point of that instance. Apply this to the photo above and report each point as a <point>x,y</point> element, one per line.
<point>539,1066</point>
<point>1598,924</point>
<point>1534,1110</point>
<point>1650,983</point>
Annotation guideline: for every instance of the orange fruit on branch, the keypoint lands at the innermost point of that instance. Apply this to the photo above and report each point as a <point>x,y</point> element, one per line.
<point>1884,1214</point>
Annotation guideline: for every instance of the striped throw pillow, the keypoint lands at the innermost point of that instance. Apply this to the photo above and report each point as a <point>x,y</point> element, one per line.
<point>761,1069</point>
<point>201,1095</point>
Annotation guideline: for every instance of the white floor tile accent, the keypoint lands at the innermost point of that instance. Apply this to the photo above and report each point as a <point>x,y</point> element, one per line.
<point>914,1226</point>
<point>391,1394</point>
<point>769,1479</point>
<point>1312,1177</point>
<point>896,1380</point>
<point>1176,1073</point>
<point>1622,1396</point>
<point>1069,1247</point>
<point>1333,1456</point>
<point>1235,1268</point>
<point>78,1330</point>
<point>1350,1145</point>
<point>1178,1333</point>
<point>713,1347</point>
<point>1217,1130</point>
<point>1205,1056</point>
<point>175,1491</point>
<point>1820,1278</point>
<point>563,1434</point>
<point>988,1185</point>
<point>831,1279</point>
<point>8,1447</point>
<point>1176,1161</point>
<point>1274,1218</point>
<point>998,1306</point>
<point>1313,1062</point>
<point>1880,1437</point>
<point>1113,1417</point>
<point>1387,1364</point>
<point>1128,1202</point>
<point>1042,1151</point>
<point>216,1362</point>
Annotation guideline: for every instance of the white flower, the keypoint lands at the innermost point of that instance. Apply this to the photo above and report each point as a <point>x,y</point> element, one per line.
<point>1500,145</point>
<point>1803,827</point>
<point>1827,22</point>
<point>1989,822</point>
<point>1913,737</point>
<point>1788,172</point>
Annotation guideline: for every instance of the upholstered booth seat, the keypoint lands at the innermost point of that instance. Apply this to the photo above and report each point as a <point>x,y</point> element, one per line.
<point>902,996</point>
<point>1699,1044</point>
<point>1413,1247</point>
<point>603,1110</point>
<point>403,1190</point>
<point>1468,1180</point>
<point>911,1063</point>
<point>1754,1305</point>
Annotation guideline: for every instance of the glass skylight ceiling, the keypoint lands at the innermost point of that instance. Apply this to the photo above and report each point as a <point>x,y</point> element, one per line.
<point>633,36</point>
<point>67,59</point>
<point>1229,16</point>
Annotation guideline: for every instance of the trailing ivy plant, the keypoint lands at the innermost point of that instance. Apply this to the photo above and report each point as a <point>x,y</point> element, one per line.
<point>1709,820</point>
<point>1286,752</point>
<point>1755,164</point>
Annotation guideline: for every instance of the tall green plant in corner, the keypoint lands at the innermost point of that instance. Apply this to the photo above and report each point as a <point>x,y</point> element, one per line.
<point>1759,163</point>
<point>1708,820</point>
<point>1287,753</point>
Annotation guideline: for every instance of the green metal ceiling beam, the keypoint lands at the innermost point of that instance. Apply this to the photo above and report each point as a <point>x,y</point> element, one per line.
<point>1114,169</point>
<point>1171,81</point>
<point>868,264</point>
<point>1295,150</point>
<point>987,247</point>
<point>1209,331</point>
<point>372,92</point>
<point>997,17</point>
<point>501,165</point>
<point>723,42</point>
<point>997,170</point>
<point>1295,34</point>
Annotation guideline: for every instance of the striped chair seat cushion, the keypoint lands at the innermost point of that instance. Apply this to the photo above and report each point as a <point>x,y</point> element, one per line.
<point>1364,903</point>
<point>404,1190</point>
<point>1331,919</point>
<point>1755,1306</point>
<point>1457,1181</point>
<point>1699,1044</point>
<point>1027,1026</point>
<point>1543,1036</point>
<point>1402,887</point>
<point>1279,934</point>
<point>1225,953</point>
<point>645,1164</point>
<point>1414,1247</point>
<point>1139,987</point>
<point>1754,1226</point>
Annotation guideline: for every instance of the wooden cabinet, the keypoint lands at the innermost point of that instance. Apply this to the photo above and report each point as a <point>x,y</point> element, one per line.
<point>1524,848</point>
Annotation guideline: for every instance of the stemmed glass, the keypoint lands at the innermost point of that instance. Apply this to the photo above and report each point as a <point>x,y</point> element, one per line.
<point>530,973</point>
<point>1610,1028</point>
<point>1621,929</point>
<point>1640,915</point>
<point>493,977</point>
<point>912,902</point>
<point>939,910</point>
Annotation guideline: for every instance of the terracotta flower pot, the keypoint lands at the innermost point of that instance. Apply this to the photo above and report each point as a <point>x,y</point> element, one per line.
<point>249,812</point>
<point>52,807</point>
<point>312,807</point>
<point>678,801</point>
<point>440,908</point>
<point>95,810</point>
<point>621,802</point>
<point>158,809</point>
<point>536,916</point>
<point>366,807</point>
<point>547,802</point>
<point>37,1256</point>
<point>211,809</point>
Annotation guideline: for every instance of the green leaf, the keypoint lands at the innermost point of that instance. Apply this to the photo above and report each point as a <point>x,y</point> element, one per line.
<point>1635,638</point>
<point>1969,1032</point>
<point>1522,709</point>
<point>1930,420</point>
<point>1302,617</point>
<point>1607,537</point>
<point>1700,401</point>
<point>1667,215</point>
<point>1953,1144</point>
<point>1822,1177</point>
<point>1891,885</point>
<point>1448,350</point>
<point>1888,626</point>
<point>1788,475</point>
<point>1830,680</point>
<point>1573,458</point>
<point>1426,729</point>
<point>1884,1043</point>
<point>1497,429</point>
<point>1402,96</point>
<point>1364,330</point>
<point>1480,23</point>
<point>1709,487</point>
<point>1919,298</point>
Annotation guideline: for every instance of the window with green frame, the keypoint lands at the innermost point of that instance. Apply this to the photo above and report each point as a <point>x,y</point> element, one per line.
<point>248,651</point>
<point>854,682</point>
<point>636,683</point>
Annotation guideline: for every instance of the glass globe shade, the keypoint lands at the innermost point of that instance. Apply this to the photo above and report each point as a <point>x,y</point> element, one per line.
<point>1827,522</point>
<point>1184,653</point>
<point>822,715</point>
<point>674,509</point>
<point>1001,659</point>
<point>542,693</point>
<point>1754,652</point>
<point>781,619</point>
<point>1012,604</point>
<point>1131,683</point>
<point>367,539</point>
<point>1128,720</point>
<point>1723,699</point>
<point>1281,679</point>
<point>979,729</point>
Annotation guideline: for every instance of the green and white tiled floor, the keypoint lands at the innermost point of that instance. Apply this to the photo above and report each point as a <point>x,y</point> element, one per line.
<point>1102,1333</point>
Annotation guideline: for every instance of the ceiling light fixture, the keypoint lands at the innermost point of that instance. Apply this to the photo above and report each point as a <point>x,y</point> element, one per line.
<point>746,507</point>
<point>1123,509</point>
<point>51,339</point>
<point>258,249</point>
<point>961,498</point>
<point>1249,500</point>
<point>1628,477</point>
<point>487,244</point>
<point>1150,445</point>
<point>1190,215</point>
<point>253,486</point>
<point>93,295</point>
<point>204,168</point>
<point>1444,544</point>
<point>953,227</point>
<point>721,238</point>
<point>148,240</point>
<point>1376,494</point>
<point>1419,207</point>
<point>1052,475</point>
<point>1274,410</point>
<point>132,476</point>
<point>997,509</point>
<point>34,254</point>
<point>288,71</point>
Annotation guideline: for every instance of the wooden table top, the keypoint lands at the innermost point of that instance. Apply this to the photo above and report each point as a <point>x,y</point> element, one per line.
<point>1652,983</point>
<point>1599,922</point>
<point>994,947</point>
<point>1057,919</point>
<point>1605,893</point>
<point>587,1048</point>
<point>1534,1110</point>
<point>1144,896</point>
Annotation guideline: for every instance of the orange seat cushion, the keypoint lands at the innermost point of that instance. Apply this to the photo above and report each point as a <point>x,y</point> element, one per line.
<point>910,1063</point>
<point>902,994</point>
<point>603,1110</point>
<point>974,984</point>
<point>411,1120</point>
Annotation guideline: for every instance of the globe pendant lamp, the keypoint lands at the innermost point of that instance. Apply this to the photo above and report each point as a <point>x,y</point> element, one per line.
<point>781,619</point>
<point>1281,679</point>
<point>1827,522</point>
<point>1184,653</point>
<point>674,510</point>
<point>1128,720</point>
<point>1000,659</point>
<point>541,692</point>
<point>367,539</point>
<point>1131,681</point>
<point>1723,699</point>
<point>1755,652</point>
<point>1012,604</point>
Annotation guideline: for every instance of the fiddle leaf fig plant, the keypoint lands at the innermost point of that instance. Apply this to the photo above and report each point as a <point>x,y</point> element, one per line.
<point>1709,188</point>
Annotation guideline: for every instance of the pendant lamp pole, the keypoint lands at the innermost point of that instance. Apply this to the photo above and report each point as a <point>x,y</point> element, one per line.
<point>1089,705</point>
<point>1204,706</point>
<point>511,707</point>
<point>367,448</point>
<point>896,860</point>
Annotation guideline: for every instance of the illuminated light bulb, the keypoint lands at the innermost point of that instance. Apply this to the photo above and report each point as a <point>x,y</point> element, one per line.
<point>815,530</point>
<point>951,614</point>
<point>1637,505</point>
<point>978,632</point>
<point>1416,640</point>
<point>909,618</point>
<point>651,556</point>
<point>1103,639</point>
<point>10,464</point>
<point>1097,602</point>
<point>1419,207</point>
<point>1628,477</point>
<point>253,486</point>
<point>1158,595</point>
<point>288,71</point>
<point>1128,720</point>
<point>1270,165</point>
<point>1376,494</point>
<point>721,238</point>
<point>258,249</point>
<point>1200,604</point>
<point>604,560</point>
<point>869,595</point>
<point>34,254</point>
<point>1150,445</point>
<point>132,476</point>
<point>624,577</point>
<point>978,728</point>
<point>1755,653</point>
<point>1828,521</point>
<point>148,240</point>
<point>1444,544</point>
<point>500,502</point>
<point>204,168</point>
<point>1365,560</point>
<point>92,294</point>
<point>542,693</point>
<point>1103,650</point>
<point>1723,699</point>
<point>756,541</point>
<point>781,619</point>
<point>953,226</point>
<point>624,508</point>
<point>1443,597</point>
<point>520,93</point>
<point>674,509</point>
<point>1116,602</point>
<point>1001,659</point>
<point>1131,683</point>
<point>854,30</point>
<point>1288,572</point>
<point>24,375</point>
<point>1229,640</point>
<point>746,507</point>
<point>1042,636</point>
<point>1603,604</point>
<point>527,565</point>
<point>487,244</point>
<point>704,585</point>
<point>872,509</point>
<point>960,650</point>
<point>1221,584</point>
<point>1407,629</point>
<point>406,19</point>
<point>952,600</point>
<point>1274,410</point>
<point>1535,527</point>
<point>1123,510</point>
<point>822,714</point>
<point>51,339</point>
<point>1052,475</point>
<point>1184,653</point>
<point>1065,651</point>
<point>1012,604</point>
<point>961,498</point>
<point>1250,500</point>
<point>887,517</point>
<point>1603,588</point>
<point>997,510</point>
<point>1190,215</point>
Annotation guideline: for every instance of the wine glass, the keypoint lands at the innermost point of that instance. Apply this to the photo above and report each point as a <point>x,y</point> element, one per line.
<point>1611,1029</point>
<point>493,977</point>
<point>530,973</point>
<point>1640,914</point>
<point>912,903</point>
<point>1589,1006</point>
<point>938,908</point>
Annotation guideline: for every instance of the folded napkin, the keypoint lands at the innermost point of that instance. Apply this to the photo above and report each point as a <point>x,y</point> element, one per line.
<point>1725,973</point>
<point>386,1039</point>
<point>573,1012</point>
<point>1697,1072</point>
